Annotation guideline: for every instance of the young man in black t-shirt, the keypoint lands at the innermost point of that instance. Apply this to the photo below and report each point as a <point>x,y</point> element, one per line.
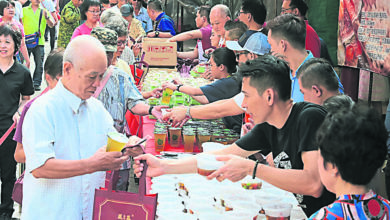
<point>285,128</point>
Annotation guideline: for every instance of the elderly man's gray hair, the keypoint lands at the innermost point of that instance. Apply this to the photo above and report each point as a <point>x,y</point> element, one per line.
<point>223,9</point>
<point>119,25</point>
<point>108,14</point>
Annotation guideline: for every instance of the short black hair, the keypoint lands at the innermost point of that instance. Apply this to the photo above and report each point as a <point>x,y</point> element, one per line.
<point>300,5</point>
<point>354,140</point>
<point>104,1</point>
<point>53,63</point>
<point>13,31</point>
<point>204,11</point>
<point>155,5</point>
<point>236,29</point>
<point>86,5</point>
<point>289,27</point>
<point>336,102</point>
<point>318,71</point>
<point>226,57</point>
<point>256,8</point>
<point>4,4</point>
<point>268,71</point>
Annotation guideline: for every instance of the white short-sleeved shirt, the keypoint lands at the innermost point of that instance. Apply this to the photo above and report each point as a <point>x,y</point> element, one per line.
<point>238,99</point>
<point>60,125</point>
<point>18,11</point>
<point>48,5</point>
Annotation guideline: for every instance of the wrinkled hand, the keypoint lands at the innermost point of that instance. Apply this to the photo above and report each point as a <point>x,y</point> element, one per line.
<point>176,116</point>
<point>155,166</point>
<point>235,168</point>
<point>176,81</point>
<point>169,85</point>
<point>133,140</point>
<point>134,151</point>
<point>157,92</point>
<point>156,112</point>
<point>103,161</point>
<point>248,126</point>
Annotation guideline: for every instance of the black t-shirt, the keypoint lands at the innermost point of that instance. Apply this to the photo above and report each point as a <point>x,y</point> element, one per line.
<point>225,88</point>
<point>296,136</point>
<point>15,82</point>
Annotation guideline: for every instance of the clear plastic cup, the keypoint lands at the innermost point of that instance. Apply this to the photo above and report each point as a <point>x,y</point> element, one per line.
<point>207,164</point>
<point>189,139</point>
<point>174,136</point>
<point>277,211</point>
<point>159,139</point>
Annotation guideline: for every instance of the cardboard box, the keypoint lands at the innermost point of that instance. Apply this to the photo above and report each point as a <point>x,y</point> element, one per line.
<point>159,52</point>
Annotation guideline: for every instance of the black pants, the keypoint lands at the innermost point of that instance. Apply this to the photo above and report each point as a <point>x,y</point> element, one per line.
<point>38,53</point>
<point>7,173</point>
<point>52,35</point>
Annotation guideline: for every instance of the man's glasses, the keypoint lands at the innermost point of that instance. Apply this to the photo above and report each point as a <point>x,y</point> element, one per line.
<point>284,10</point>
<point>95,12</point>
<point>120,43</point>
<point>241,12</point>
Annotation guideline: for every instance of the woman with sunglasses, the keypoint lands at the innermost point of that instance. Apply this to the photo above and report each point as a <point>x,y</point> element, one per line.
<point>90,13</point>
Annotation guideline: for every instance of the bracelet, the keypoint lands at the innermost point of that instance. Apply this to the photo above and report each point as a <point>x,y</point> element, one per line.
<point>178,87</point>
<point>150,110</point>
<point>188,113</point>
<point>255,169</point>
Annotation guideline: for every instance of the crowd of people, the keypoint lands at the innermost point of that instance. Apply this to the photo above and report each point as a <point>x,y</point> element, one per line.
<point>317,142</point>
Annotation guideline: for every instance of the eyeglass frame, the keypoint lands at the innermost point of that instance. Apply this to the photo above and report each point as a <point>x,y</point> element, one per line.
<point>120,43</point>
<point>283,11</point>
<point>95,12</point>
<point>241,12</point>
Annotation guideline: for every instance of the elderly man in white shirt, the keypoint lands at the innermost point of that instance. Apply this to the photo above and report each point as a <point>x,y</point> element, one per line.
<point>64,134</point>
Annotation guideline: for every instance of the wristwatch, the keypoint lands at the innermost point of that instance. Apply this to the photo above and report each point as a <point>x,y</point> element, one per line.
<point>150,110</point>
<point>156,33</point>
<point>178,87</point>
<point>188,115</point>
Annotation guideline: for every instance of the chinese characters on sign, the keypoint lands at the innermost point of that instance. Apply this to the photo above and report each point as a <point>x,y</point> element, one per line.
<point>364,35</point>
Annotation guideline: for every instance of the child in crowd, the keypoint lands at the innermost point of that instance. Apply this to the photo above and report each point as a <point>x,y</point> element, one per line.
<point>352,144</point>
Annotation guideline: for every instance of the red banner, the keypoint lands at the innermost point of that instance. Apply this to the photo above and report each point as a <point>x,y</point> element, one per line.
<point>364,35</point>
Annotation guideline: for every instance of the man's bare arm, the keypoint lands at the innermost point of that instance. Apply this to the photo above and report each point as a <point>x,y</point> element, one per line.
<point>306,181</point>
<point>100,161</point>
<point>188,35</point>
